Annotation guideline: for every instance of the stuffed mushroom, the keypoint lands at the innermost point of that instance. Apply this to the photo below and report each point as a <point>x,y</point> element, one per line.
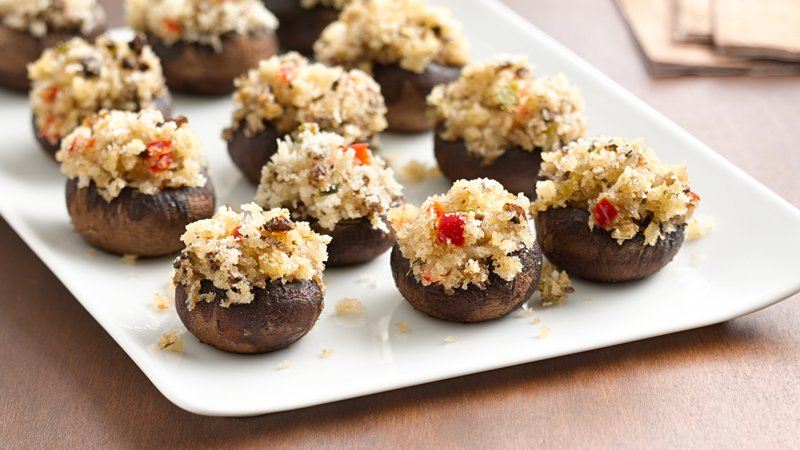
<point>205,44</point>
<point>497,119</point>
<point>609,210</point>
<point>250,282</point>
<point>342,190</point>
<point>284,92</point>
<point>76,79</point>
<point>29,27</point>
<point>468,255</point>
<point>407,45</point>
<point>135,180</point>
<point>302,21</point>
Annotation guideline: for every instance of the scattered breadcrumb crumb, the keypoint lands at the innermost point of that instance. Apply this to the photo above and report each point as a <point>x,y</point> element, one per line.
<point>161,301</point>
<point>325,352</point>
<point>133,274</point>
<point>129,259</point>
<point>284,365</point>
<point>369,280</point>
<point>450,340</point>
<point>90,251</point>
<point>699,226</point>
<point>535,320</point>
<point>171,341</point>
<point>523,313</point>
<point>402,327</point>
<point>587,299</point>
<point>554,285</point>
<point>350,307</point>
<point>417,171</point>
<point>544,331</point>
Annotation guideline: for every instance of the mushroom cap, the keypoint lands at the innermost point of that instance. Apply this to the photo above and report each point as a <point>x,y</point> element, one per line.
<point>251,153</point>
<point>137,223</point>
<point>516,169</point>
<point>200,69</point>
<point>568,243</point>
<point>406,94</point>
<point>498,298</point>
<point>279,315</point>
<point>354,241</point>
<point>300,27</point>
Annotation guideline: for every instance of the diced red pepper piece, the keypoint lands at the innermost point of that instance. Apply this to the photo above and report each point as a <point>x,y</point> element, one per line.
<point>159,156</point>
<point>173,26</point>
<point>605,212</point>
<point>694,197</point>
<point>50,94</point>
<point>362,152</point>
<point>451,229</point>
<point>235,233</point>
<point>287,74</point>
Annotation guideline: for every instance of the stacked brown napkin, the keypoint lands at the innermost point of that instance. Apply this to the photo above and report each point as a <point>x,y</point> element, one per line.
<point>678,37</point>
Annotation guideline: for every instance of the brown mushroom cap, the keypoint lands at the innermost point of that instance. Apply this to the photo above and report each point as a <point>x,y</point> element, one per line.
<point>162,103</point>
<point>279,315</point>
<point>353,241</point>
<point>251,153</point>
<point>20,48</point>
<point>199,69</point>
<point>568,243</point>
<point>406,94</point>
<point>300,28</point>
<point>473,304</point>
<point>137,223</point>
<point>516,169</point>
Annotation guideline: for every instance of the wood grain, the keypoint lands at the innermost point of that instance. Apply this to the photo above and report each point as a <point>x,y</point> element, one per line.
<point>65,383</point>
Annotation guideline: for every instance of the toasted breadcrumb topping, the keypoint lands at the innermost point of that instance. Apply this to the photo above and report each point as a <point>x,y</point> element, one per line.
<point>288,91</point>
<point>460,238</point>
<point>409,33</point>
<point>120,149</point>
<point>554,285</point>
<point>622,183</point>
<point>498,104</point>
<point>699,226</point>
<point>75,79</point>
<point>199,21</point>
<point>171,341</point>
<point>241,251</point>
<point>161,302</point>
<point>350,307</point>
<point>318,176</point>
<point>40,17</point>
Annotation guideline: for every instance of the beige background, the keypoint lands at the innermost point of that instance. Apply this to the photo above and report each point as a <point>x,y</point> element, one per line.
<point>64,382</point>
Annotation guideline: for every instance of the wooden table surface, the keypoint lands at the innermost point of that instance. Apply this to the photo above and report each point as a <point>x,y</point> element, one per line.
<point>65,383</point>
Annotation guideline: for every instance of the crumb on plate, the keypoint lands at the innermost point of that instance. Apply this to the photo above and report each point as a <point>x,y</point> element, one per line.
<point>402,327</point>
<point>450,340</point>
<point>417,171</point>
<point>129,259</point>
<point>350,307</point>
<point>325,353</point>
<point>161,301</point>
<point>554,285</point>
<point>284,365</point>
<point>171,341</point>
<point>544,331</point>
<point>698,227</point>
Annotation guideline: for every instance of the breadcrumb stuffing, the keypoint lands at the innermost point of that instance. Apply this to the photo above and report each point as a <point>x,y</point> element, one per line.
<point>554,285</point>
<point>161,301</point>
<point>171,341</point>
<point>544,331</point>
<point>402,327</point>
<point>284,365</point>
<point>417,171</point>
<point>40,17</point>
<point>129,259</point>
<point>350,307</point>
<point>325,353</point>
<point>450,340</point>
<point>698,227</point>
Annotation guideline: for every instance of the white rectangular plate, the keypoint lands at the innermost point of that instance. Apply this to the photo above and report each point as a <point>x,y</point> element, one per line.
<point>748,263</point>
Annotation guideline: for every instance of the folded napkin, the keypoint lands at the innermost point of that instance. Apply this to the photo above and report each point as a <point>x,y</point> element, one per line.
<point>758,28</point>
